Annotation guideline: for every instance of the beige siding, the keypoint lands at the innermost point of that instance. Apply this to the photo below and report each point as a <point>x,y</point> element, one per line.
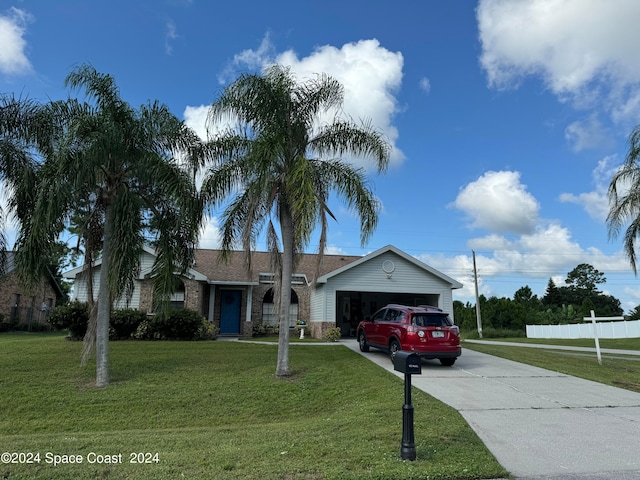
<point>80,288</point>
<point>369,276</point>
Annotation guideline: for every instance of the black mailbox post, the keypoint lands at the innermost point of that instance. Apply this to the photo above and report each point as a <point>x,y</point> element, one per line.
<point>407,363</point>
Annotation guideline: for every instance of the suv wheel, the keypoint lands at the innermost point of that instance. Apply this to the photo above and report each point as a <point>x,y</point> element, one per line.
<point>447,362</point>
<point>394,347</point>
<point>362,342</point>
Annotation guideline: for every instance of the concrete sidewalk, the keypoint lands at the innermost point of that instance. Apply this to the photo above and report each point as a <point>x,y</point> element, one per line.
<point>539,424</point>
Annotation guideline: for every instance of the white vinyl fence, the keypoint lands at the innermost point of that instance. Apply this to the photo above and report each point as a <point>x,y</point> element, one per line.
<point>622,329</point>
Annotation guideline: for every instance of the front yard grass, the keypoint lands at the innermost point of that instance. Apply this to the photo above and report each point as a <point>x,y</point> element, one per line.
<point>616,369</point>
<point>216,410</point>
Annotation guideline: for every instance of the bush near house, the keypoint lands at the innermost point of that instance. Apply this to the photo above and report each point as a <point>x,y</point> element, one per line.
<point>134,324</point>
<point>73,317</point>
<point>332,335</point>
<point>176,325</point>
<point>124,323</point>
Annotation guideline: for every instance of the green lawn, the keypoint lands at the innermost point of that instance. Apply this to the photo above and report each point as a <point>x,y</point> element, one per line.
<point>617,370</point>
<point>216,410</point>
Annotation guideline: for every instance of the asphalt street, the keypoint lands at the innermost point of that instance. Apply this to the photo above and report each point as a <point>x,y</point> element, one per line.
<point>539,424</point>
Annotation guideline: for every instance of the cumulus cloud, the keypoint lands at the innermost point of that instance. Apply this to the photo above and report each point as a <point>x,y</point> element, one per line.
<point>498,202</point>
<point>249,59</point>
<point>587,134</point>
<point>196,119</point>
<point>584,50</point>
<point>596,202</point>
<point>370,74</point>
<point>13,57</point>
<point>210,235</point>
<point>547,252</point>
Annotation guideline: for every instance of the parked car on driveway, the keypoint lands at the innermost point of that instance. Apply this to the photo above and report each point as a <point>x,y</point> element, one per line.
<point>425,330</point>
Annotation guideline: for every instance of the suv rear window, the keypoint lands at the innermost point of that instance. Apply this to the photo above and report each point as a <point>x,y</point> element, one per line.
<point>431,320</point>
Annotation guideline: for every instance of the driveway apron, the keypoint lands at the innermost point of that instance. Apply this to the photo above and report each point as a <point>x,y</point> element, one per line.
<point>537,423</point>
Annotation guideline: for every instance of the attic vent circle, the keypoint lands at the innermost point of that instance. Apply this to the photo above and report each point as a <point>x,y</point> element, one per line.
<point>388,266</point>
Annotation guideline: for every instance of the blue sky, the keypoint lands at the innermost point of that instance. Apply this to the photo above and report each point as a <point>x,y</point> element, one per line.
<point>507,117</point>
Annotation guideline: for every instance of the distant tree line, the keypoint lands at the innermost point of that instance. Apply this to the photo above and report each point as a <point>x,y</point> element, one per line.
<point>568,303</point>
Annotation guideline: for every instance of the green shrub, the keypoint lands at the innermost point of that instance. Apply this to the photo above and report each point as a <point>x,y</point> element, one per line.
<point>207,330</point>
<point>5,326</point>
<point>73,317</point>
<point>259,330</point>
<point>176,325</point>
<point>332,335</point>
<point>30,327</point>
<point>145,331</point>
<point>124,323</point>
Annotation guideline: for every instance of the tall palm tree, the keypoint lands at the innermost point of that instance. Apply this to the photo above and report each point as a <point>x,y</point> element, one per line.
<point>115,167</point>
<point>624,199</point>
<point>21,124</point>
<point>280,165</point>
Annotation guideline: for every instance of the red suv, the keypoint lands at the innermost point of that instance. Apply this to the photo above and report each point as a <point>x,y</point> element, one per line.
<point>425,330</point>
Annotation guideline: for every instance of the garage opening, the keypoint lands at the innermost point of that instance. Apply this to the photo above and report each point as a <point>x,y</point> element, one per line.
<point>352,307</point>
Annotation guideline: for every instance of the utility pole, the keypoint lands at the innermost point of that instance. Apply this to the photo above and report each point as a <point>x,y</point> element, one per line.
<point>475,276</point>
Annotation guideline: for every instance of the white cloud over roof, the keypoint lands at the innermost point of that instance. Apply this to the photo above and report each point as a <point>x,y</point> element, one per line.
<point>498,202</point>
<point>370,74</point>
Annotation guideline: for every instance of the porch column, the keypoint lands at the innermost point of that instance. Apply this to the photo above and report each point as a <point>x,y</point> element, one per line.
<point>212,302</point>
<point>249,303</point>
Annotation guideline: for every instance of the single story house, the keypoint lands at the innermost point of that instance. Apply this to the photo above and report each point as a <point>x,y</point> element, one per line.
<point>347,289</point>
<point>19,305</point>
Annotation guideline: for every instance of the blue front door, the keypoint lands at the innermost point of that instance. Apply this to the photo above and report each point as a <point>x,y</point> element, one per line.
<point>230,312</point>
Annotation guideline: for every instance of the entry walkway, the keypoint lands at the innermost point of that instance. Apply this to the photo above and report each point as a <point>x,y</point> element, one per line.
<point>539,424</point>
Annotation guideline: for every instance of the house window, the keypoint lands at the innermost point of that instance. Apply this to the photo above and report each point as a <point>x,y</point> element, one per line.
<point>15,306</point>
<point>176,302</point>
<point>270,316</point>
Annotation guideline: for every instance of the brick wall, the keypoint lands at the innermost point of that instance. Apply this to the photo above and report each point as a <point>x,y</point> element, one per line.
<point>29,303</point>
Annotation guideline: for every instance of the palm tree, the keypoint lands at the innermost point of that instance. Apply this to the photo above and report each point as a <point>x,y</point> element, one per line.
<point>624,198</point>
<point>20,127</point>
<point>280,165</point>
<point>115,168</point>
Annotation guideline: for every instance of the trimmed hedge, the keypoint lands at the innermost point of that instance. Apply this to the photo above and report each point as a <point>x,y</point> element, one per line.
<point>176,325</point>
<point>135,324</point>
<point>124,323</point>
<point>73,317</point>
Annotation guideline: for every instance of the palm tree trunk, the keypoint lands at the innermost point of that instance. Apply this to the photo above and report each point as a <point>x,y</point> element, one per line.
<point>104,306</point>
<point>286,226</point>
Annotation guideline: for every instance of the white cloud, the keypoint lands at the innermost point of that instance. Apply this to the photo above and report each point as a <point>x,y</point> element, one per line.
<point>334,250</point>
<point>596,202</point>
<point>371,76</point>
<point>9,223</point>
<point>587,134</point>
<point>13,58</point>
<point>498,202</point>
<point>425,85</point>
<point>196,119</point>
<point>506,265</point>
<point>584,50</point>
<point>253,60</point>
<point>172,34</point>
<point>210,236</point>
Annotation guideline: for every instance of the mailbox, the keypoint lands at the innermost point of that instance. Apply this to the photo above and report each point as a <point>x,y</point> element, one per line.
<point>407,362</point>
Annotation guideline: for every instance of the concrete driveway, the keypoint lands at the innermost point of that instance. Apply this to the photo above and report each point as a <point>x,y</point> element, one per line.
<point>537,423</point>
